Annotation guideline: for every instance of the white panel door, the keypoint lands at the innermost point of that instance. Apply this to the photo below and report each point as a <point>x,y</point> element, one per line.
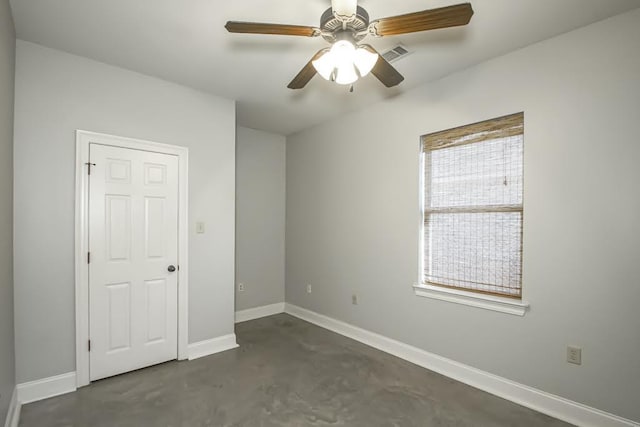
<point>133,242</point>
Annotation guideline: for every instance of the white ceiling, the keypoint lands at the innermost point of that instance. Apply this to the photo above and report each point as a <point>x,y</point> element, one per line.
<point>184,41</point>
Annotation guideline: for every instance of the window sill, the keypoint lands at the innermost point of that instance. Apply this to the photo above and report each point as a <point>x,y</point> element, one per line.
<point>487,302</point>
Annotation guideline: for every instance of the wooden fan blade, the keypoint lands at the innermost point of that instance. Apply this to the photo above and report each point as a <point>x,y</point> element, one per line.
<point>277,29</point>
<point>432,19</point>
<point>384,71</point>
<point>306,74</point>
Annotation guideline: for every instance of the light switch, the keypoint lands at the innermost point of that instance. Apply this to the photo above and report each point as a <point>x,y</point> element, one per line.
<point>200,227</point>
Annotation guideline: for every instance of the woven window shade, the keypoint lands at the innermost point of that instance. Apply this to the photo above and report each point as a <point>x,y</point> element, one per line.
<point>473,186</point>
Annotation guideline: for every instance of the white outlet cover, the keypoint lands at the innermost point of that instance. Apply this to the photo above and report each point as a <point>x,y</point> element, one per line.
<point>574,355</point>
<point>308,289</point>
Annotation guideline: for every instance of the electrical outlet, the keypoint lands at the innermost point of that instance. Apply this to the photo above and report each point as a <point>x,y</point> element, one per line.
<point>574,355</point>
<point>241,287</point>
<point>354,299</point>
<point>308,289</point>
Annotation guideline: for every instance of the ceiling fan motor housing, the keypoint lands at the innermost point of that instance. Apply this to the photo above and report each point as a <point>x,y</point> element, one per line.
<point>331,25</point>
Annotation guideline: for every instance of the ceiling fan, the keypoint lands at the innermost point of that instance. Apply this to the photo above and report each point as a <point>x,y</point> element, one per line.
<point>344,25</point>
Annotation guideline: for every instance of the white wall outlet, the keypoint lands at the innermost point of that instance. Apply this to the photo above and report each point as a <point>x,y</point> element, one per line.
<point>574,355</point>
<point>240,287</point>
<point>354,299</point>
<point>200,227</point>
<point>308,289</point>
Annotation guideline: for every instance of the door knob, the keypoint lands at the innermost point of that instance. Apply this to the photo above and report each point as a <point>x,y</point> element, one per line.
<point>171,268</point>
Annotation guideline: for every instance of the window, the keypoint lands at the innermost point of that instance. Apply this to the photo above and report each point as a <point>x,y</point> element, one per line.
<point>472,207</point>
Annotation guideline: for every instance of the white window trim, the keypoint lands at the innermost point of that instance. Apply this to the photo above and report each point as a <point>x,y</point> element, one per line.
<point>487,302</point>
<point>471,299</point>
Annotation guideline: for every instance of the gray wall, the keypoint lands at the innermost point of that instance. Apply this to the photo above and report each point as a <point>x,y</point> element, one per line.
<point>57,93</point>
<point>7,69</point>
<point>353,220</point>
<point>260,217</point>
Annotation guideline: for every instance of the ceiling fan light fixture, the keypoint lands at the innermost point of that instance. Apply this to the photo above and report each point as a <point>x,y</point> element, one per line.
<point>337,64</point>
<point>344,63</point>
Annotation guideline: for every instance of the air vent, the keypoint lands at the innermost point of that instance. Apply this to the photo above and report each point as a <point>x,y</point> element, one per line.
<point>395,53</point>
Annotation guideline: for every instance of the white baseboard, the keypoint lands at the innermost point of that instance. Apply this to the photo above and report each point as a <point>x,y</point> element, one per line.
<point>47,387</point>
<point>66,383</point>
<point>555,406</point>
<point>258,312</point>
<point>213,346</point>
<point>13,414</point>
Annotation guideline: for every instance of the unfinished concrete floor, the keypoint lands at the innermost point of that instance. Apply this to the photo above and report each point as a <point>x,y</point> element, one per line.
<point>286,372</point>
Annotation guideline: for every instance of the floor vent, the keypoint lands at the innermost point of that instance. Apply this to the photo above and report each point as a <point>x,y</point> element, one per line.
<point>395,53</point>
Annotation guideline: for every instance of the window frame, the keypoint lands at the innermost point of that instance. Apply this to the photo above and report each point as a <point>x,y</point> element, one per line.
<point>485,300</point>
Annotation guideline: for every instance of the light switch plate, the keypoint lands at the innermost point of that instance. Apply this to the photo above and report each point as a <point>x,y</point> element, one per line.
<point>200,227</point>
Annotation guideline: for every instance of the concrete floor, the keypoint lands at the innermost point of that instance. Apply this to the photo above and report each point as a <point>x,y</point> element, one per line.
<point>286,373</point>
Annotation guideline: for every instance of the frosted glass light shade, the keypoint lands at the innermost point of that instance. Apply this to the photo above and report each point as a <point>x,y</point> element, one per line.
<point>325,65</point>
<point>364,60</point>
<point>343,52</point>
<point>346,75</point>
<point>344,8</point>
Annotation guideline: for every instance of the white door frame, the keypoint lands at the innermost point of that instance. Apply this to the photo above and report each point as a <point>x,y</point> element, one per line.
<point>83,139</point>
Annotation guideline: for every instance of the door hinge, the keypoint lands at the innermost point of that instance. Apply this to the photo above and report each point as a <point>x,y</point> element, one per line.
<point>88,257</point>
<point>89,345</point>
<point>89,164</point>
